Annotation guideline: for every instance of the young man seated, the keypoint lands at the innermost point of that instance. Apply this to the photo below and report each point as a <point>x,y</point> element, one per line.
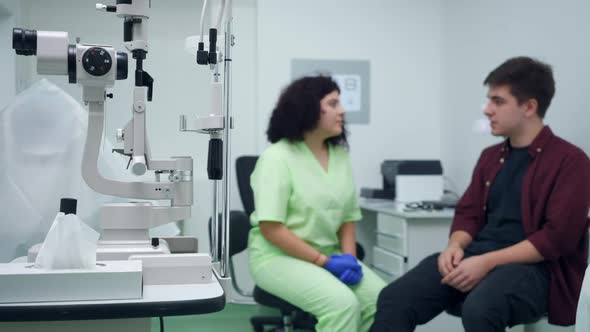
<point>518,245</point>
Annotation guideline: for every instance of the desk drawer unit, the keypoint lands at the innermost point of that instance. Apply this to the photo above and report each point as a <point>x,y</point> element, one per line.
<point>384,275</point>
<point>393,243</point>
<point>392,233</point>
<point>388,262</point>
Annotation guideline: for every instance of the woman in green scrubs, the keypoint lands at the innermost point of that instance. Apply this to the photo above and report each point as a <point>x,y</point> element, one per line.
<point>302,244</point>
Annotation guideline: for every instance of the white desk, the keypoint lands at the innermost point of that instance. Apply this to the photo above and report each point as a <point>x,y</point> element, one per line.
<point>396,239</point>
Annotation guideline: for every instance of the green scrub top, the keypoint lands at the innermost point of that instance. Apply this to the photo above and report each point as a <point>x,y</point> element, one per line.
<point>291,187</point>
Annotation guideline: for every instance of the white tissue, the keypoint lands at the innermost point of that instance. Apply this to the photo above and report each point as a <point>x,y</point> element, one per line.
<point>69,244</point>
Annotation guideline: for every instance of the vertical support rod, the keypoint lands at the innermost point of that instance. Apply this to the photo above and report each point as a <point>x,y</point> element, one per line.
<point>215,223</point>
<point>227,147</point>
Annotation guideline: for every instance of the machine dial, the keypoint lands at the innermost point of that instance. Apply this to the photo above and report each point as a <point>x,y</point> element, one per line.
<point>97,61</point>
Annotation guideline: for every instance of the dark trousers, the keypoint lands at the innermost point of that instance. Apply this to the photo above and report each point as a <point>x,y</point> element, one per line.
<point>509,295</point>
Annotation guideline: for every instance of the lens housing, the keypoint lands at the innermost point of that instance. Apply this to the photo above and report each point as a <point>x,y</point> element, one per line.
<point>24,41</point>
<point>72,64</point>
<point>122,66</point>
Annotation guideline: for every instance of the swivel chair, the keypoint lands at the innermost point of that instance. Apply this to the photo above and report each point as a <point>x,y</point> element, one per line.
<point>291,317</point>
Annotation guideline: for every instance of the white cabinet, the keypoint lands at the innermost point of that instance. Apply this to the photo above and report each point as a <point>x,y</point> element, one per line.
<point>396,240</point>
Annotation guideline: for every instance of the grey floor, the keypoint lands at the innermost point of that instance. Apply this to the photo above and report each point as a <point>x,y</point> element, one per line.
<point>234,318</point>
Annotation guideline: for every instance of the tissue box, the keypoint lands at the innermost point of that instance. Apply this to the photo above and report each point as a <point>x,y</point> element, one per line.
<point>110,280</point>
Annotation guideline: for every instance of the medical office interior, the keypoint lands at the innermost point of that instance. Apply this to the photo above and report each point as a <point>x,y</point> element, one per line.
<point>411,73</point>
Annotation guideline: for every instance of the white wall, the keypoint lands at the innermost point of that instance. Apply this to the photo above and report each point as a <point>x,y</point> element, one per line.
<point>401,39</point>
<point>270,33</point>
<point>8,14</point>
<point>405,85</point>
<point>479,35</point>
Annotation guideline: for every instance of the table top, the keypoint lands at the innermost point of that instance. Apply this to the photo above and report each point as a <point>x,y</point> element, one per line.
<point>400,210</point>
<point>157,300</point>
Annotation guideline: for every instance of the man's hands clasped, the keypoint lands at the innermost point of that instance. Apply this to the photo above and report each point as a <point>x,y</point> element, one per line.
<point>462,274</point>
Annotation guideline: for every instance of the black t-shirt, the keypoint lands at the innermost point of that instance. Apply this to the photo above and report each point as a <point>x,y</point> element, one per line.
<point>503,226</point>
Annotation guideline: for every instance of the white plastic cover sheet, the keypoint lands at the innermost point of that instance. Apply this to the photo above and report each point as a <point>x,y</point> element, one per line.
<point>42,135</point>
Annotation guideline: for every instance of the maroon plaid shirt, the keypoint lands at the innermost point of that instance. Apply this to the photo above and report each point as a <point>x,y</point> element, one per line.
<point>555,203</point>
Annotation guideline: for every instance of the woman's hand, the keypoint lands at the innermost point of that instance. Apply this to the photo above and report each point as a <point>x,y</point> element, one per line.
<point>338,264</point>
<point>346,268</point>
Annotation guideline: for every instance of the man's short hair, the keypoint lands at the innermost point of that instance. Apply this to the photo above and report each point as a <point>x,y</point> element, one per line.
<point>527,78</point>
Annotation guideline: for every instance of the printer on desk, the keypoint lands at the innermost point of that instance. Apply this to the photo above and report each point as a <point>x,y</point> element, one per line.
<point>409,181</point>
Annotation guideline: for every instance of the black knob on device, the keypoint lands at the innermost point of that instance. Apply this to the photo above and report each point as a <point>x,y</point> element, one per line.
<point>72,70</point>
<point>155,242</point>
<point>68,205</point>
<point>97,61</point>
<point>212,46</point>
<point>215,159</point>
<point>202,55</point>
<point>122,66</point>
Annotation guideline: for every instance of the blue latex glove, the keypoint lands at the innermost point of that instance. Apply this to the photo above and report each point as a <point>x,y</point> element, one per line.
<point>338,264</point>
<point>349,257</point>
<point>351,277</point>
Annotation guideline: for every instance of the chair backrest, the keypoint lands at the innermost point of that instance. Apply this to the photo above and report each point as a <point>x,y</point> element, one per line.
<point>244,168</point>
<point>238,235</point>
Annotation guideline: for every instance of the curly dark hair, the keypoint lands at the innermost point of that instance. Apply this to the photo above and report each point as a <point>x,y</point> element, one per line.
<point>298,110</point>
<point>527,78</point>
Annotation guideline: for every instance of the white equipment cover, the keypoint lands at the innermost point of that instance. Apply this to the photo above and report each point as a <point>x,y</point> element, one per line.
<point>42,136</point>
